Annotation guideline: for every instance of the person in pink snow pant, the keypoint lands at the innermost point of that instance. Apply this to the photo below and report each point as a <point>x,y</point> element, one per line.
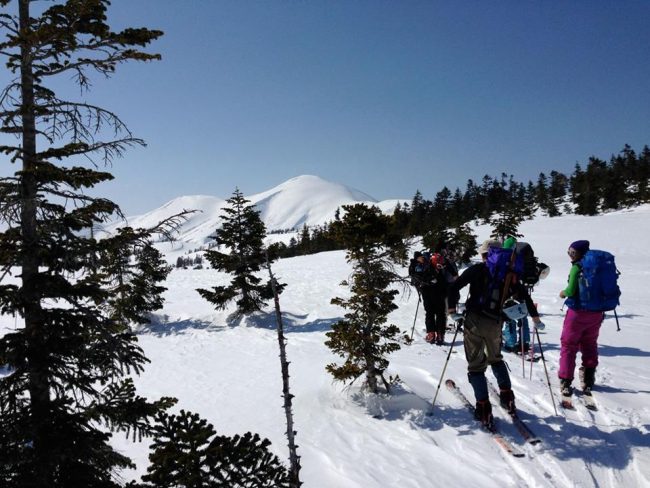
<point>580,330</point>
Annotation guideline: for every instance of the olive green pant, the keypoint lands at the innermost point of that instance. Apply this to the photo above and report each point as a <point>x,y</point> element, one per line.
<point>482,342</point>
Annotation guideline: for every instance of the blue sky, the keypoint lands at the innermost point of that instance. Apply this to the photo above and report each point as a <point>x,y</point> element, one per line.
<point>384,96</point>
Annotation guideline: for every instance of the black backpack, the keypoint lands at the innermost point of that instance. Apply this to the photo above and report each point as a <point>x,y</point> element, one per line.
<point>532,267</point>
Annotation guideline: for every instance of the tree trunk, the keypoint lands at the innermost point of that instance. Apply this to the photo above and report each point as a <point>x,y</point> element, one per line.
<point>32,311</point>
<point>294,459</point>
<point>371,370</point>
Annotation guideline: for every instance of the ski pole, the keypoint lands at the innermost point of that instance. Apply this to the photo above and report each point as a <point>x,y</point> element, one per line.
<point>416,314</point>
<point>459,325</point>
<point>520,324</point>
<point>532,353</point>
<point>541,352</point>
<point>618,327</point>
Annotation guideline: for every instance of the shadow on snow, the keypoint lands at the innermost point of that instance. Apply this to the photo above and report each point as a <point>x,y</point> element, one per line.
<point>613,351</point>
<point>162,326</point>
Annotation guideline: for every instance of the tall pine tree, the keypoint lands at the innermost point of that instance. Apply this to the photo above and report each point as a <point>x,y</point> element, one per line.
<point>362,338</point>
<point>67,386</point>
<point>242,234</point>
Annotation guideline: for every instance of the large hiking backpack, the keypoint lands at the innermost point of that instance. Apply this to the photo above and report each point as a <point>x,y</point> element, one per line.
<point>500,262</point>
<point>598,283</point>
<point>530,273</point>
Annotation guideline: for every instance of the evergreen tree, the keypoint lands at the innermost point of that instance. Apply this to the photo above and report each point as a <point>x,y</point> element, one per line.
<point>419,208</point>
<point>506,224</point>
<point>485,204</point>
<point>187,453</point>
<point>362,337</point>
<point>558,188</point>
<point>435,239</point>
<point>524,198</point>
<point>472,200</point>
<point>462,243</point>
<point>67,389</point>
<point>401,218</point>
<point>642,176</point>
<point>528,196</point>
<point>242,233</point>
<point>131,270</point>
<point>586,187</point>
<point>293,243</point>
<point>542,196</point>
<point>617,181</point>
<point>457,212</point>
<point>305,240</point>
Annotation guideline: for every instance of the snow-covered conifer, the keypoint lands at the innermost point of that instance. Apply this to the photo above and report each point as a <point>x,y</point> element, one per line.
<point>362,338</point>
<point>242,234</point>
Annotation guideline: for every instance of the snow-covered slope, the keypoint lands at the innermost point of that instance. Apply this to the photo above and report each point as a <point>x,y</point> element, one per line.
<point>230,374</point>
<point>302,200</point>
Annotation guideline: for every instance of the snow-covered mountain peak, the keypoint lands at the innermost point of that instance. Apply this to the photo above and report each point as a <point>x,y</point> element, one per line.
<point>305,199</point>
<point>302,200</point>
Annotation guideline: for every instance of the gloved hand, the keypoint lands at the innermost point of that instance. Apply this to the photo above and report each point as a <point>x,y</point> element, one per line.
<point>540,325</point>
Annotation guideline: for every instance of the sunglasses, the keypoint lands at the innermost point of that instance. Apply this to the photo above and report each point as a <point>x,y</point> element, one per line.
<point>572,253</point>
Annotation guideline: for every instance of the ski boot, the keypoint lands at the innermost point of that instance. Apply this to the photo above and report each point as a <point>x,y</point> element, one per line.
<point>565,388</point>
<point>507,400</point>
<point>587,378</point>
<point>431,337</point>
<point>483,413</point>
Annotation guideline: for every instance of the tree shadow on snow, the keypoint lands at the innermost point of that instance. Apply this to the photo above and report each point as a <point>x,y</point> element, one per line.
<point>290,322</point>
<point>161,327</point>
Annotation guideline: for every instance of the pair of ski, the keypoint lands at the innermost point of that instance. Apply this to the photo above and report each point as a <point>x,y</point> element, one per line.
<point>506,445</point>
<point>587,399</point>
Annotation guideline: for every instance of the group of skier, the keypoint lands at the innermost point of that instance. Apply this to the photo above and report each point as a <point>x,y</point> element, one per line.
<point>496,287</point>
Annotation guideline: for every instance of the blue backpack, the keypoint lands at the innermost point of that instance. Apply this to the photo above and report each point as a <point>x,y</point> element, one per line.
<point>499,263</point>
<point>598,283</point>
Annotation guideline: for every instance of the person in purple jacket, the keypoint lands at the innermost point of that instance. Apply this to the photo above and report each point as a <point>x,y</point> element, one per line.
<point>580,330</point>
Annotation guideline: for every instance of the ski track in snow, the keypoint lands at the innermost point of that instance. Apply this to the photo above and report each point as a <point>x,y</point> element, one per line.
<point>229,372</point>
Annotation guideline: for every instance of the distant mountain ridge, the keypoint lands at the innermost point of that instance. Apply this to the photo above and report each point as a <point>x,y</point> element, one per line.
<point>303,200</point>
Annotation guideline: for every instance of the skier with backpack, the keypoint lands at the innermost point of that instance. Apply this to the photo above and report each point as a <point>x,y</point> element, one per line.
<point>427,275</point>
<point>592,289</point>
<point>516,333</point>
<point>491,282</point>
